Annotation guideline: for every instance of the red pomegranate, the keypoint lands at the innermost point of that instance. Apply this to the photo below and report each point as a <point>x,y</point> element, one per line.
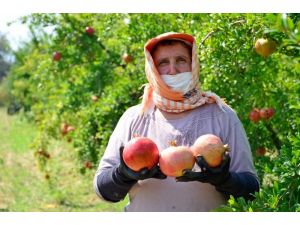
<point>89,31</point>
<point>56,56</point>
<point>271,112</point>
<point>211,148</point>
<point>140,152</point>
<point>65,128</point>
<point>263,113</point>
<point>175,159</point>
<point>254,115</point>
<point>127,58</point>
<point>88,165</point>
<point>261,151</point>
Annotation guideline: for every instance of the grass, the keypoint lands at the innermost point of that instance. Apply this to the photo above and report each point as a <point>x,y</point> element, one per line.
<point>24,188</point>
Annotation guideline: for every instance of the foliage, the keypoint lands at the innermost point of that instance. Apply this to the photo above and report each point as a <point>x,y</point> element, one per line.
<point>5,63</point>
<point>280,190</point>
<point>90,86</point>
<point>280,174</point>
<point>5,51</point>
<point>5,96</point>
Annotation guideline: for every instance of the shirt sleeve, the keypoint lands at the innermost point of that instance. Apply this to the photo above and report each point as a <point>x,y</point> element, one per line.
<point>243,181</point>
<point>103,179</point>
<point>240,151</point>
<point>242,184</point>
<point>233,134</point>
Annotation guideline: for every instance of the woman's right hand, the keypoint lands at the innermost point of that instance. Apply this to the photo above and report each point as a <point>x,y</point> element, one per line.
<point>142,174</point>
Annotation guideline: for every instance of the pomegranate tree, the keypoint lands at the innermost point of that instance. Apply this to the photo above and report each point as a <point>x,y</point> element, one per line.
<point>175,159</point>
<point>140,152</point>
<point>211,148</point>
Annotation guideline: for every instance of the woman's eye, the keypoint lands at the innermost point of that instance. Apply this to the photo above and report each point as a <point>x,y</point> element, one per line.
<point>162,63</point>
<point>181,60</point>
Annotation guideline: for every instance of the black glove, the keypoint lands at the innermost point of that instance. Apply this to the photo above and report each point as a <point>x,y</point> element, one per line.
<point>213,175</point>
<point>127,174</point>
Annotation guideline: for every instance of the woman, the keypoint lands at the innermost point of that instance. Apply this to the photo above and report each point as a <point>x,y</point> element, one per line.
<point>175,109</point>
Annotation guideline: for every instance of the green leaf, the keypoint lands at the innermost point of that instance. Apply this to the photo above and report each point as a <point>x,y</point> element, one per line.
<point>287,23</point>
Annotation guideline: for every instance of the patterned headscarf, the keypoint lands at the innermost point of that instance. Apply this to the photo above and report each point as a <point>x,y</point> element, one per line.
<point>157,93</point>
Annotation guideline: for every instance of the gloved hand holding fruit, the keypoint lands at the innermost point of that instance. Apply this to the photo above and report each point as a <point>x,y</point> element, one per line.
<point>138,160</point>
<point>213,175</point>
<point>213,159</point>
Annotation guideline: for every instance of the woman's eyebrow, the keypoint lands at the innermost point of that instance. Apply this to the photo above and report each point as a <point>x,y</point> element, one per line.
<point>176,56</point>
<point>182,56</point>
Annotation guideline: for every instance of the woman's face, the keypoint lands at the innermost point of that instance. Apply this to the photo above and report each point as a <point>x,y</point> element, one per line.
<point>172,59</point>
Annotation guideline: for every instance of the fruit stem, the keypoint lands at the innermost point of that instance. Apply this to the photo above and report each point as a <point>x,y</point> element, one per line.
<point>173,143</point>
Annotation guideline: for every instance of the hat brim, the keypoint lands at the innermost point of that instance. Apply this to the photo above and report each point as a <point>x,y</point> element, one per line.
<point>188,39</point>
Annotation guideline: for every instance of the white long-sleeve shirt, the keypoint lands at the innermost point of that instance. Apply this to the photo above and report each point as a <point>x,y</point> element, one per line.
<point>169,195</point>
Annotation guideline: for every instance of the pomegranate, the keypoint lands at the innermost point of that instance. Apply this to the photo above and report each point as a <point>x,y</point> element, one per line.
<point>43,153</point>
<point>94,98</point>
<point>70,128</point>
<point>140,152</point>
<point>127,58</point>
<point>66,128</point>
<point>263,113</point>
<point>175,159</point>
<point>56,56</point>
<point>270,113</point>
<point>89,31</point>
<point>211,148</point>
<point>265,47</point>
<point>261,151</point>
<point>254,115</point>
<point>88,165</point>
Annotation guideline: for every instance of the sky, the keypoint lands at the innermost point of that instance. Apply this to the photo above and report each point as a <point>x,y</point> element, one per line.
<point>16,32</point>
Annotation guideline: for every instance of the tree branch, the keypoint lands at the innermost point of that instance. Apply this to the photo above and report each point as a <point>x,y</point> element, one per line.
<point>274,137</point>
<point>217,30</point>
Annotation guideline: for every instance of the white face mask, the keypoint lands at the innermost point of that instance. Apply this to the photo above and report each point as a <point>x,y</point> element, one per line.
<point>178,82</point>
